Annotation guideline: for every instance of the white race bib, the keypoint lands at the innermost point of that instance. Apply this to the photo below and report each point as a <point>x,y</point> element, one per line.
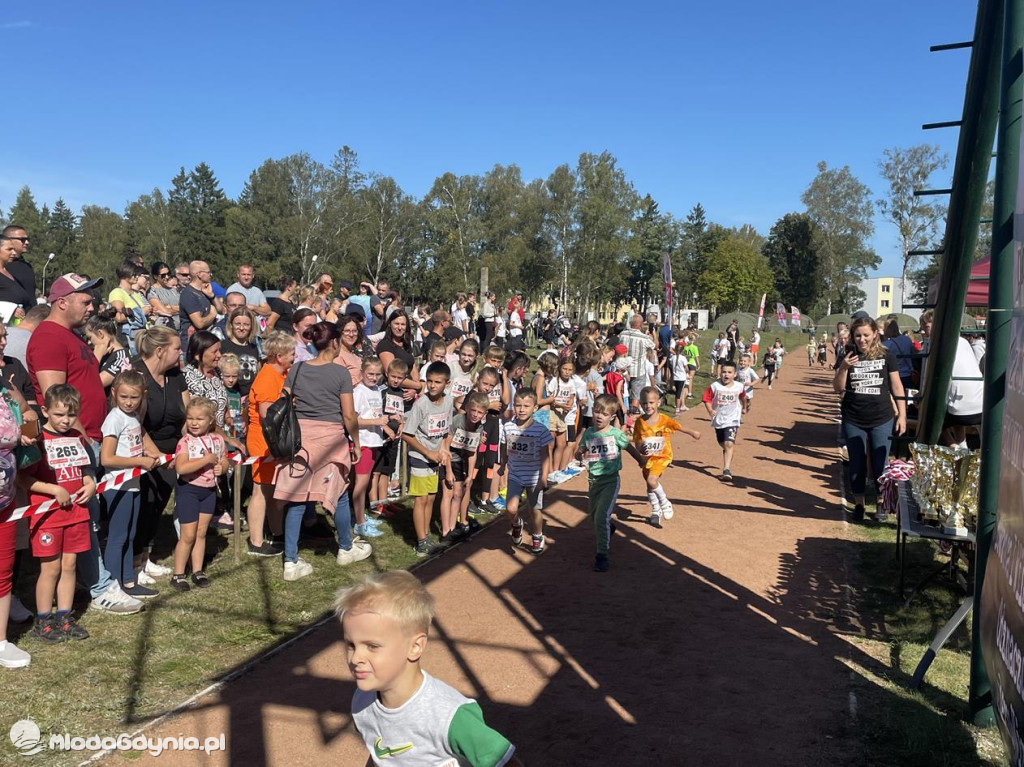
<point>602,449</point>
<point>468,441</point>
<point>64,452</point>
<point>652,445</point>
<point>522,445</point>
<point>461,387</point>
<point>393,404</point>
<point>437,425</point>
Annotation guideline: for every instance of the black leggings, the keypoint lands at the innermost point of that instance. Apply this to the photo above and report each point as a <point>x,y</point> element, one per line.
<point>679,386</point>
<point>769,374</point>
<point>157,487</point>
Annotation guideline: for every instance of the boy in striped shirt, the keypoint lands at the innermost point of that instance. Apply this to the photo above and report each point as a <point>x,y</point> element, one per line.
<point>528,464</point>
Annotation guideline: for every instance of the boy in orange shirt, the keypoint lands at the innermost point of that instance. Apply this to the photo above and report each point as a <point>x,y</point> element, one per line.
<point>652,436</point>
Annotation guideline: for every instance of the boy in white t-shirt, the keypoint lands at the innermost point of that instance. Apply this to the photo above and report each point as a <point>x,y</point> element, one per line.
<point>678,363</point>
<point>724,400</point>
<point>746,375</point>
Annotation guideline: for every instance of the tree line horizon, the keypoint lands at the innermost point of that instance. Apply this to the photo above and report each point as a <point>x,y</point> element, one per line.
<point>581,238</point>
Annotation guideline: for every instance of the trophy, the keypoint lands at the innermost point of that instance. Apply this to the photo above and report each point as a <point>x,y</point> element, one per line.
<point>946,488</point>
<point>921,481</point>
<point>970,477</point>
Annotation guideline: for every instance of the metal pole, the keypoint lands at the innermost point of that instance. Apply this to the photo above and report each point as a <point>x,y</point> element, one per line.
<point>237,479</point>
<point>970,176</point>
<point>1000,302</point>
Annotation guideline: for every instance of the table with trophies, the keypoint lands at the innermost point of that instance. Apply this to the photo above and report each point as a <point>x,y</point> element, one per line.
<point>940,502</point>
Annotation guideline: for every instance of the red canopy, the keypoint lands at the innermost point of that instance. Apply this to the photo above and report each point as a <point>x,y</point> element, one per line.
<point>977,289</point>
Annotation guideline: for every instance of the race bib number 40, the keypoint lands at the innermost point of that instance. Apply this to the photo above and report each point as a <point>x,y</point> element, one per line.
<point>437,425</point>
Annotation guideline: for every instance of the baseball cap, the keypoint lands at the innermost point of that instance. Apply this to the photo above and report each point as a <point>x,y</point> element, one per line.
<point>621,349</point>
<point>453,333</point>
<point>69,283</point>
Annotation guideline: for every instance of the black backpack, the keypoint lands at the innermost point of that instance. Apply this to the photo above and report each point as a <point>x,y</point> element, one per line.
<point>281,425</point>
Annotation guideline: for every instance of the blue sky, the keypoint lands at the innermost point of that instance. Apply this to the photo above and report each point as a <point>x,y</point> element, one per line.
<point>731,105</point>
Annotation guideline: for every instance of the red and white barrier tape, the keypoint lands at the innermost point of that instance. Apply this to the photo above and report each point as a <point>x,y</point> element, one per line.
<point>119,478</point>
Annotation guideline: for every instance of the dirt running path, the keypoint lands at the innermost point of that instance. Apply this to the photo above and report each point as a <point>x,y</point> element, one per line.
<point>713,641</point>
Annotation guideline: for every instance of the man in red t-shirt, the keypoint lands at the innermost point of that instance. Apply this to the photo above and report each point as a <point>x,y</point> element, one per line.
<point>56,354</point>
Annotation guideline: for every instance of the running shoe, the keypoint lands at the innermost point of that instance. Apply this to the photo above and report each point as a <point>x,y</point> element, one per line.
<point>180,583</point>
<point>360,550</point>
<point>655,520</point>
<point>297,569</point>
<point>47,629</point>
<point>152,568</point>
<point>537,545</point>
<point>200,579</point>
<point>499,504</point>
<point>666,510</point>
<point>727,475</point>
<point>68,626</point>
<point>516,533</point>
<point>428,547</point>
<point>368,530</point>
<point>265,549</point>
<point>12,656</point>
<point>601,563</point>
<point>138,591</point>
<point>144,579</point>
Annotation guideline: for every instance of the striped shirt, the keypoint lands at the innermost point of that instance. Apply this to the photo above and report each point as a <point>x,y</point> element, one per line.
<point>637,344</point>
<point>527,448</point>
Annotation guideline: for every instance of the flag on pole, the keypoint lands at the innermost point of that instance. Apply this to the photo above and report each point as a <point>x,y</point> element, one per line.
<point>666,273</point>
<point>760,312</point>
<point>794,316</point>
<point>780,314</point>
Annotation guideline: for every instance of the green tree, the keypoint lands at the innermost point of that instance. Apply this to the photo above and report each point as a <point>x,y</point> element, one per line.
<point>607,203</point>
<point>917,219</point>
<point>263,228</point>
<point>560,223</point>
<point>452,233</point>
<point>150,227</point>
<point>198,208</point>
<point>102,242</point>
<point>736,276</point>
<point>383,229</point>
<point>793,260</point>
<point>651,237</point>
<point>840,207</point>
<point>62,237</point>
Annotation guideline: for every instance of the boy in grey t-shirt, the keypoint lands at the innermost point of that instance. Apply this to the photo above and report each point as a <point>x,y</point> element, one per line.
<point>426,426</point>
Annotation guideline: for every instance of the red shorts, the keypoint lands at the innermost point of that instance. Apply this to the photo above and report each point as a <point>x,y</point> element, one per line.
<point>53,541</point>
<point>366,460</point>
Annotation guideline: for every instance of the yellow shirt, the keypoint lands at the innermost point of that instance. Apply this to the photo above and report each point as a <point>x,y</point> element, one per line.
<point>654,441</point>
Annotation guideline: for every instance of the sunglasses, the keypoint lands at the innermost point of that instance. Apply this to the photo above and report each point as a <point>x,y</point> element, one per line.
<point>184,275</point>
<point>19,239</point>
<point>162,275</point>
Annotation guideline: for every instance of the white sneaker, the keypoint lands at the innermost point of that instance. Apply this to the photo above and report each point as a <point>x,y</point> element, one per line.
<point>152,568</point>
<point>19,613</point>
<point>666,510</point>
<point>115,601</point>
<point>360,550</point>
<point>298,569</point>
<point>13,657</point>
<point>555,477</point>
<point>143,579</point>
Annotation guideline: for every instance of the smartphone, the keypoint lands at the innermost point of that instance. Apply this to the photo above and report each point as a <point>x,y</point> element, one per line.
<point>851,349</point>
<point>30,429</point>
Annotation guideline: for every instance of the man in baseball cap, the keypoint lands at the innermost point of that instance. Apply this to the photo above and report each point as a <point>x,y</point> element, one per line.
<point>70,283</point>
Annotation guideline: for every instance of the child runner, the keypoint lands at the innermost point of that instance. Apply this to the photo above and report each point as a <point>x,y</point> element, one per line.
<point>679,365</point>
<point>563,409</point>
<point>769,368</point>
<point>812,351</point>
<point>395,408</point>
<point>60,535</point>
<point>463,372</point>
<point>402,713</point>
<point>615,384</point>
<point>236,422</point>
<point>463,445</point>
<point>724,402</point>
<point>528,464</point>
<point>125,446</point>
<point>425,429</point>
<point>746,376</point>
<point>513,370</point>
<point>487,383</point>
<point>600,449</point>
<point>373,428</point>
<point>778,351</point>
<point>755,344</point>
<point>823,351</point>
<point>652,436</point>
<point>692,363</point>
<point>199,459</point>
